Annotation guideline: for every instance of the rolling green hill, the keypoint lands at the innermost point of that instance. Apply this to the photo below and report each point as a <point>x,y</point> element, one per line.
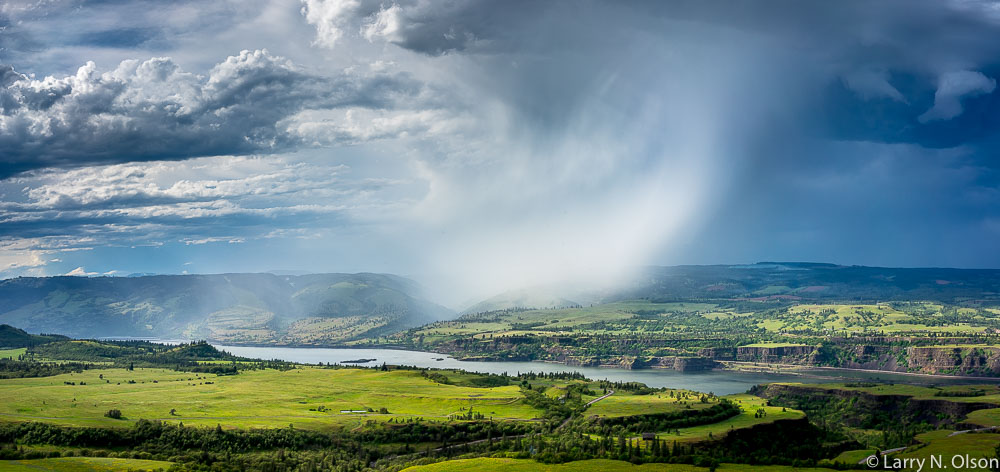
<point>11,337</point>
<point>249,308</point>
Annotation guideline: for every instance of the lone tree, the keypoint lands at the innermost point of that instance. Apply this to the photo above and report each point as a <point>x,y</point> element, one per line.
<point>114,414</point>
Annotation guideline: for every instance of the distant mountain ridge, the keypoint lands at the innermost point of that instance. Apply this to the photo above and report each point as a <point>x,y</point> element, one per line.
<point>811,281</point>
<point>765,281</point>
<point>248,308</point>
<point>334,309</point>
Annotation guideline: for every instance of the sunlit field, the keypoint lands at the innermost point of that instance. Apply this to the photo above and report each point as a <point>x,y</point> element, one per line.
<point>306,397</point>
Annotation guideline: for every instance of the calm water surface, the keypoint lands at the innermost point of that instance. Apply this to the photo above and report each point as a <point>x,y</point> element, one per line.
<point>719,382</point>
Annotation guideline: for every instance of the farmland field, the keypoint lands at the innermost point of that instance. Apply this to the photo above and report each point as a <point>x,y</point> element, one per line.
<point>308,397</point>
<point>83,464</point>
<point>11,353</point>
<point>943,444</point>
<point>624,404</point>
<point>779,331</point>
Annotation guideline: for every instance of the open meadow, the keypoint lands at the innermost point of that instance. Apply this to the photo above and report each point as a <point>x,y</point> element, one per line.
<point>306,397</point>
<point>753,411</point>
<point>628,404</point>
<point>83,464</point>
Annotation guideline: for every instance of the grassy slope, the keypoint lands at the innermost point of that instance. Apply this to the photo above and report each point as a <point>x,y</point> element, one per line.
<point>596,465</point>
<point>853,457</point>
<point>83,464</point>
<point>252,399</point>
<point>988,417</point>
<point>749,404</point>
<point>624,404</point>
<point>938,443</point>
<point>11,353</point>
<point>554,320</point>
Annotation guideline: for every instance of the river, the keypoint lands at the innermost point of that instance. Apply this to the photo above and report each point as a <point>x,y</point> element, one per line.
<point>721,382</point>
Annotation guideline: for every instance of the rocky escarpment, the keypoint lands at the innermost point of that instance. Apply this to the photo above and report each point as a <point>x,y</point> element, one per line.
<point>861,409</point>
<point>786,354</point>
<point>678,363</point>
<point>681,364</point>
<point>894,356</point>
<point>963,360</point>
<point>790,354</point>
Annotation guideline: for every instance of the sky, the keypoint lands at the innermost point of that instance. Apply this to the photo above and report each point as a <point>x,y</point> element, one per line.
<point>481,146</point>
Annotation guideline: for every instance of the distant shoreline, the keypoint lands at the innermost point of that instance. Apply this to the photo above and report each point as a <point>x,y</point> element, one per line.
<point>730,366</point>
<point>784,369</point>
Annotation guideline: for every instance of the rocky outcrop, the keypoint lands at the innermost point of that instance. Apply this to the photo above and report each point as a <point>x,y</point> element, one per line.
<point>887,354</point>
<point>718,353</point>
<point>956,360</point>
<point>682,364</point>
<point>776,354</point>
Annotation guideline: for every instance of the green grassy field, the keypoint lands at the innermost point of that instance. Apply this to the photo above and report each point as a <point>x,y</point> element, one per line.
<point>595,465</point>
<point>988,417</point>
<point>12,353</point>
<point>853,457</point>
<point>307,397</point>
<point>939,443</point>
<point>749,404</point>
<point>560,320</point>
<point>83,464</point>
<point>911,317</point>
<point>908,317</point>
<point>624,404</point>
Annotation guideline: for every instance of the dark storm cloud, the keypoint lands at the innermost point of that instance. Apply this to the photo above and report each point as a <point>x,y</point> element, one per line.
<point>905,53</point>
<point>543,138</point>
<point>153,110</point>
<point>830,117</point>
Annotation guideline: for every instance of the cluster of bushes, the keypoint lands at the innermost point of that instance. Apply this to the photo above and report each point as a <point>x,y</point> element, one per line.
<point>253,448</point>
<point>17,369</point>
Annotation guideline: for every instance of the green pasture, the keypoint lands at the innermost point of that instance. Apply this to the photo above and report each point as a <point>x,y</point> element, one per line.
<point>988,417</point>
<point>306,397</point>
<point>624,404</point>
<point>12,353</point>
<point>939,443</point>
<point>749,404</point>
<point>853,457</point>
<point>909,318</point>
<point>83,464</point>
